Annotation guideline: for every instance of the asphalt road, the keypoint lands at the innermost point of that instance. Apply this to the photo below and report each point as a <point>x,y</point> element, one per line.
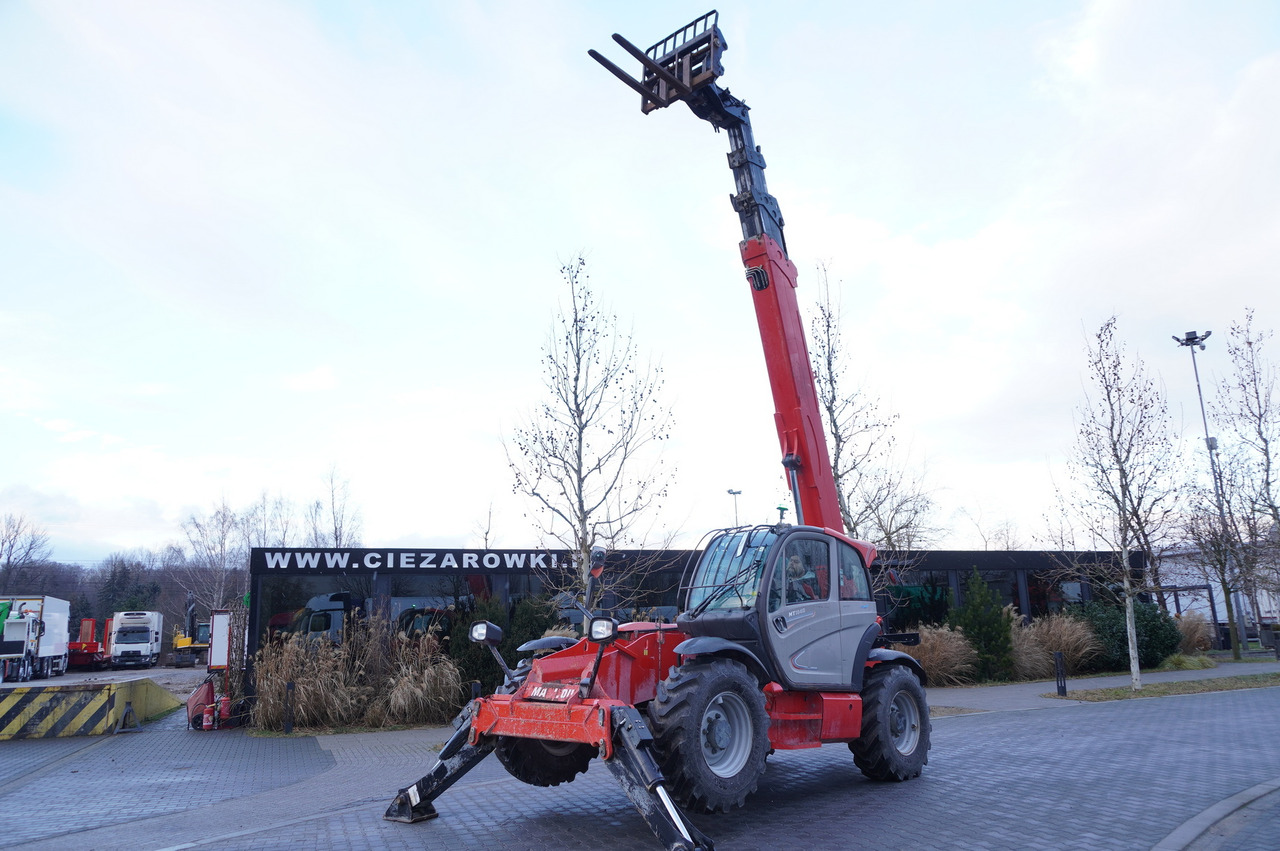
<point>1124,775</point>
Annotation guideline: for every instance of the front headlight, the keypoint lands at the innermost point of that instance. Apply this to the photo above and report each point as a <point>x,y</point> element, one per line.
<point>483,632</point>
<point>602,630</point>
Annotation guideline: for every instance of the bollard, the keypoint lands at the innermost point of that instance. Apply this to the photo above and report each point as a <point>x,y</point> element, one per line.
<point>1060,669</point>
<point>288,708</point>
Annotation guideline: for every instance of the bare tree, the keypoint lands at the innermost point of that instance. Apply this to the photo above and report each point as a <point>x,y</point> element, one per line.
<point>1000,536</point>
<point>24,547</point>
<point>588,457</point>
<point>1231,545</point>
<point>1123,465</point>
<point>883,499</point>
<point>1248,409</point>
<point>217,571</point>
<point>332,521</point>
<point>269,522</point>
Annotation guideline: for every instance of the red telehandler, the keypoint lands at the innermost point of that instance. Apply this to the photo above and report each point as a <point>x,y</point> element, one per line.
<point>778,645</point>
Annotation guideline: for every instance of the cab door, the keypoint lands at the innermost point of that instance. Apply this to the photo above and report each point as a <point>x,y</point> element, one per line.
<point>857,604</point>
<point>803,618</point>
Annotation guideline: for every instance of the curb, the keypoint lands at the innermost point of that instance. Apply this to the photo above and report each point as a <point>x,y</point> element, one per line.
<point>1191,829</point>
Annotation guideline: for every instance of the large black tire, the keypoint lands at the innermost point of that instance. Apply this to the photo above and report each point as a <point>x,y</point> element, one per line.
<point>894,744</point>
<point>542,763</point>
<point>712,734</point>
<point>62,669</point>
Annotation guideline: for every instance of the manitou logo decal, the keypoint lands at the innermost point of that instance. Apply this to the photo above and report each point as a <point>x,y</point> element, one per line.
<point>275,561</point>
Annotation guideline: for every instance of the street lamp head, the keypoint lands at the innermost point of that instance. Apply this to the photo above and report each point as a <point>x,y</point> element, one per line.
<point>733,492</point>
<point>1191,339</point>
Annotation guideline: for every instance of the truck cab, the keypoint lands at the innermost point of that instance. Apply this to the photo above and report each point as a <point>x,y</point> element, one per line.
<point>135,639</point>
<point>795,600</point>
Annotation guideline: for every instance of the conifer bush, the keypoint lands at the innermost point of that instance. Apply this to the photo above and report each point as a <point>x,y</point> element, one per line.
<point>987,625</point>
<point>529,619</point>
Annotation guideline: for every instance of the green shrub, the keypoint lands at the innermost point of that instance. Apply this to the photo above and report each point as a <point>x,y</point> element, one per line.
<point>1158,635</point>
<point>529,619</point>
<point>987,625</point>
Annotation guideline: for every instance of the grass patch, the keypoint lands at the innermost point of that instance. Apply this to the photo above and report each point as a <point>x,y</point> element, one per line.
<point>944,711</point>
<point>1187,662</point>
<point>1097,695</point>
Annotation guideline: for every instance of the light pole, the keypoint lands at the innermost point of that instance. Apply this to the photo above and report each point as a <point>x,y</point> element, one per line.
<point>1193,341</point>
<point>735,494</point>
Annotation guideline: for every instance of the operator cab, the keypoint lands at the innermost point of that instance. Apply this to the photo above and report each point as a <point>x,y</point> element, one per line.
<point>798,598</point>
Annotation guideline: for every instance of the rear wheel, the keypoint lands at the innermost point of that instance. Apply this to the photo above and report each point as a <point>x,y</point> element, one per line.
<point>62,669</point>
<point>712,734</point>
<point>542,763</point>
<point>894,744</point>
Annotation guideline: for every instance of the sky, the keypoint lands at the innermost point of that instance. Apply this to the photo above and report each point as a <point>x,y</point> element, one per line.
<point>243,244</point>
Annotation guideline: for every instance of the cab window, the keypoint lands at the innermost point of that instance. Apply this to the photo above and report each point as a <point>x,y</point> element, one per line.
<point>803,575</point>
<point>854,584</point>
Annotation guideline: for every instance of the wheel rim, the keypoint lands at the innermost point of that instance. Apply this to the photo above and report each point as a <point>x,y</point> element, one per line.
<point>904,723</point>
<point>559,748</point>
<point>726,734</point>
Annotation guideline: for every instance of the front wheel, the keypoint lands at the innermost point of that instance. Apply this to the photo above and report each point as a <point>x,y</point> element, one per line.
<point>712,734</point>
<point>539,762</point>
<point>894,744</point>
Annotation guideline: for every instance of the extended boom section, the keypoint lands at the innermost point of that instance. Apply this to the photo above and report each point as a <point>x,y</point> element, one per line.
<point>684,67</point>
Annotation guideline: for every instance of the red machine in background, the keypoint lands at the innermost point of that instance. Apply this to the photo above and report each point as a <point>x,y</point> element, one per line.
<point>88,651</point>
<point>778,644</point>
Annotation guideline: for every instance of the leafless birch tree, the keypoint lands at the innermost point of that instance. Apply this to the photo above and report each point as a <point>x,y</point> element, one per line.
<point>217,571</point>
<point>331,520</point>
<point>1124,464</point>
<point>588,458</point>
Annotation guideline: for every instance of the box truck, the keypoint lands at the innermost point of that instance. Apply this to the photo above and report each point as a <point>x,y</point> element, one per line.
<point>35,638</point>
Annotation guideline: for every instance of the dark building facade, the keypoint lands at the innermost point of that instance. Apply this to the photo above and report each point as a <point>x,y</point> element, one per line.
<point>311,588</point>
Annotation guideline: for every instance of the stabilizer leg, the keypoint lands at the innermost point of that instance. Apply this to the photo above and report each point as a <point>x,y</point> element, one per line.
<point>636,769</point>
<point>413,803</point>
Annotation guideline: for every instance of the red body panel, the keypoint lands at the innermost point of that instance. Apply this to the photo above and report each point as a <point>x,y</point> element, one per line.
<point>586,721</point>
<point>548,705</point>
<point>797,415</point>
<point>807,719</point>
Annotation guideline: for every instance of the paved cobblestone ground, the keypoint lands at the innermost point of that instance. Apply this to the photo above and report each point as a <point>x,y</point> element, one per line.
<point>1093,776</point>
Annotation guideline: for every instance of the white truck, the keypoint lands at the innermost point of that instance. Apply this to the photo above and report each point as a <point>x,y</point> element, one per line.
<point>135,639</point>
<point>36,633</point>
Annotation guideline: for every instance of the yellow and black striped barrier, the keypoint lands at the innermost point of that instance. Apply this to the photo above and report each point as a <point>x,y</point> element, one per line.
<point>82,709</point>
